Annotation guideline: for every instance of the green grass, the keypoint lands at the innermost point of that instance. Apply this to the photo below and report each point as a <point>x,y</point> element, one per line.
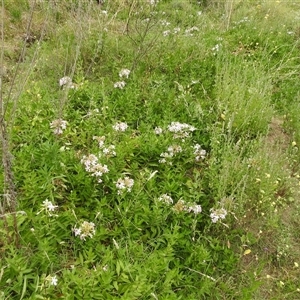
<point>204,208</point>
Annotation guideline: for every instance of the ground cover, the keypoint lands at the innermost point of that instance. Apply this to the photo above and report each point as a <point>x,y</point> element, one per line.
<point>150,150</point>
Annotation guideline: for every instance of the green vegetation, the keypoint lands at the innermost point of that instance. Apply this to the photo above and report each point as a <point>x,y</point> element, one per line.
<point>150,150</point>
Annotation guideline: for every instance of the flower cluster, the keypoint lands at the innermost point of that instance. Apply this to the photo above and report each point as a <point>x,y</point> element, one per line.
<point>165,23</point>
<point>181,206</point>
<point>153,2</point>
<point>86,229</point>
<point>168,32</point>
<point>48,207</point>
<point>100,140</point>
<point>190,31</point>
<point>93,166</point>
<point>120,85</point>
<point>244,20</point>
<point>180,130</point>
<point>199,152</point>
<point>172,150</point>
<point>58,126</point>
<point>107,151</point>
<point>66,81</point>
<point>217,214</point>
<point>92,113</point>
<point>216,48</point>
<point>165,198</point>
<point>124,73</point>
<point>176,30</point>
<point>120,126</point>
<point>195,208</point>
<point>124,184</point>
<point>158,130</point>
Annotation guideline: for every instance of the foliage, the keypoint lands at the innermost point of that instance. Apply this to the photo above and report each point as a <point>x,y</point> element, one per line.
<point>144,160</point>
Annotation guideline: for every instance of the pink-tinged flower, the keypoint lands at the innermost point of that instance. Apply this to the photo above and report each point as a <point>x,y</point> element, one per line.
<point>58,126</point>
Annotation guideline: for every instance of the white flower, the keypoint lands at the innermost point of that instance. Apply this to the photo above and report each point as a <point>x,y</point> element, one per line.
<point>53,280</point>
<point>181,205</point>
<point>124,73</point>
<point>165,155</point>
<point>100,140</point>
<point>98,170</point>
<point>105,268</point>
<point>77,231</point>
<point>217,214</point>
<point>162,161</point>
<point>92,113</point>
<point>153,2</point>
<point>120,184</point>
<point>179,127</point>
<point>166,199</point>
<point>158,130</point>
<point>49,207</point>
<point>86,229</point>
<point>89,162</point>
<point>165,23</point>
<point>93,166</point>
<point>199,152</point>
<point>176,30</point>
<point>195,208</point>
<point>120,126</point>
<point>194,28</point>
<point>174,149</point>
<point>109,151</point>
<point>66,81</point>
<point>216,48</point>
<point>180,130</point>
<point>124,184</point>
<point>58,126</point>
<point>190,31</point>
<point>166,32</point>
<point>120,84</point>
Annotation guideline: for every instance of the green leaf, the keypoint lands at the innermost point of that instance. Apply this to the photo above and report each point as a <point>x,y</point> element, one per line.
<point>24,287</point>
